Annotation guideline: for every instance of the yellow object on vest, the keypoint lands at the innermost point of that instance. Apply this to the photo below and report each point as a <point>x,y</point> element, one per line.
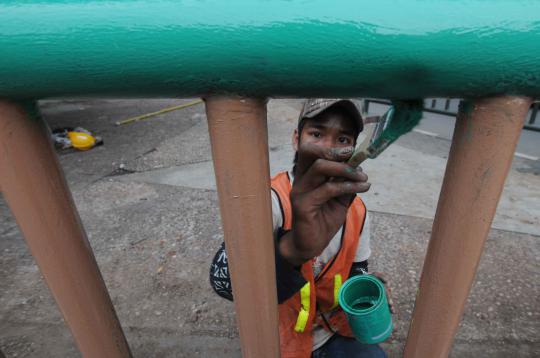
<point>81,141</point>
<point>303,315</point>
<point>338,282</point>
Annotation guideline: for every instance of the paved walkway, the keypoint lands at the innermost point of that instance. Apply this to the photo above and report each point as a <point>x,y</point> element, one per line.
<point>148,202</point>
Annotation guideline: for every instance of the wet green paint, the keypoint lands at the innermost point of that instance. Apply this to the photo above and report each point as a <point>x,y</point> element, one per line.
<point>30,107</point>
<point>466,109</point>
<point>399,49</point>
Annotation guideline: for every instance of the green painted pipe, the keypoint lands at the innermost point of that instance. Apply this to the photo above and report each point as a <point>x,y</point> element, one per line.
<point>384,48</point>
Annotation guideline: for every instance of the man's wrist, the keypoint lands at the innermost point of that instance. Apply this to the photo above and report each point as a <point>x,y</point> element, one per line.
<point>288,251</point>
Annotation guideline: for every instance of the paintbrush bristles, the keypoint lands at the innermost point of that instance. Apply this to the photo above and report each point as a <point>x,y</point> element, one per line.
<point>404,116</point>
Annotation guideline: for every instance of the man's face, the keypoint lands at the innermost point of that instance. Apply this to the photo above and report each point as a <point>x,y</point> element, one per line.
<point>330,130</point>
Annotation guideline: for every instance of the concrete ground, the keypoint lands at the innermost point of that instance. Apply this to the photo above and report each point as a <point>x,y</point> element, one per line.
<point>148,202</point>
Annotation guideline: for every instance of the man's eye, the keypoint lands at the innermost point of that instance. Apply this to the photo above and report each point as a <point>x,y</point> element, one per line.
<point>344,140</point>
<point>316,134</point>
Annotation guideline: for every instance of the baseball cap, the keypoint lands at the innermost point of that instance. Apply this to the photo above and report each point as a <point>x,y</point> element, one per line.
<point>315,106</point>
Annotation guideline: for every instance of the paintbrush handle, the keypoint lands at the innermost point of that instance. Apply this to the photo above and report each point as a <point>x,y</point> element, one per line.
<point>361,151</point>
<point>357,158</point>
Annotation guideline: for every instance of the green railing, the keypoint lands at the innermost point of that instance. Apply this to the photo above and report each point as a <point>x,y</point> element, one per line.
<point>431,105</point>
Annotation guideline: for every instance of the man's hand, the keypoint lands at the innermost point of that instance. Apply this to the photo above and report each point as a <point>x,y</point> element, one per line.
<point>324,187</point>
<point>384,280</point>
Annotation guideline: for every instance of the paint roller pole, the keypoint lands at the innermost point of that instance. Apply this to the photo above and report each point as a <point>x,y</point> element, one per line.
<point>485,137</point>
<point>239,138</point>
<point>34,188</point>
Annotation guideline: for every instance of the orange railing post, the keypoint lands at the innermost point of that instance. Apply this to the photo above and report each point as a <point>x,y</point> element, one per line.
<point>35,190</point>
<point>485,137</point>
<point>239,138</point>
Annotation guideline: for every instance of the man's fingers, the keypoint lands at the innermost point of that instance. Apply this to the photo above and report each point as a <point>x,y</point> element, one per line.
<point>330,190</point>
<point>321,170</point>
<point>388,290</point>
<point>381,276</point>
<point>309,153</point>
<point>390,300</point>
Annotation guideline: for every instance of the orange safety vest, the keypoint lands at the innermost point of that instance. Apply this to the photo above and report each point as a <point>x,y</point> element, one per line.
<point>298,314</point>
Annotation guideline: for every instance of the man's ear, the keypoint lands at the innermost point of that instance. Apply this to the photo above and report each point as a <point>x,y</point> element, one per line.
<point>295,140</point>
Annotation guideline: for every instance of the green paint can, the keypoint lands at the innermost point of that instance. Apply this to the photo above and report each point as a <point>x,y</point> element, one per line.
<point>364,300</point>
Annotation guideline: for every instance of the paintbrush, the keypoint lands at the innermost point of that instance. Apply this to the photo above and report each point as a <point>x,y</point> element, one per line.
<point>401,118</point>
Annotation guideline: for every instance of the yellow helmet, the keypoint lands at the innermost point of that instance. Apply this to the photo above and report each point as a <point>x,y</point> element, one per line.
<point>81,141</point>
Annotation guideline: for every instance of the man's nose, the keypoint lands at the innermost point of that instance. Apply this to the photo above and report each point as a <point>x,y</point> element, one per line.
<point>328,142</point>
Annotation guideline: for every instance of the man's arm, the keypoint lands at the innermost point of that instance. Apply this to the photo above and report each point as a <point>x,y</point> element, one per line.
<point>359,268</point>
<point>320,197</point>
<point>289,280</point>
<point>363,251</point>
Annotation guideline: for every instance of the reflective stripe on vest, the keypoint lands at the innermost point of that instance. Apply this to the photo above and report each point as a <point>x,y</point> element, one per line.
<point>338,281</point>
<point>303,315</point>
